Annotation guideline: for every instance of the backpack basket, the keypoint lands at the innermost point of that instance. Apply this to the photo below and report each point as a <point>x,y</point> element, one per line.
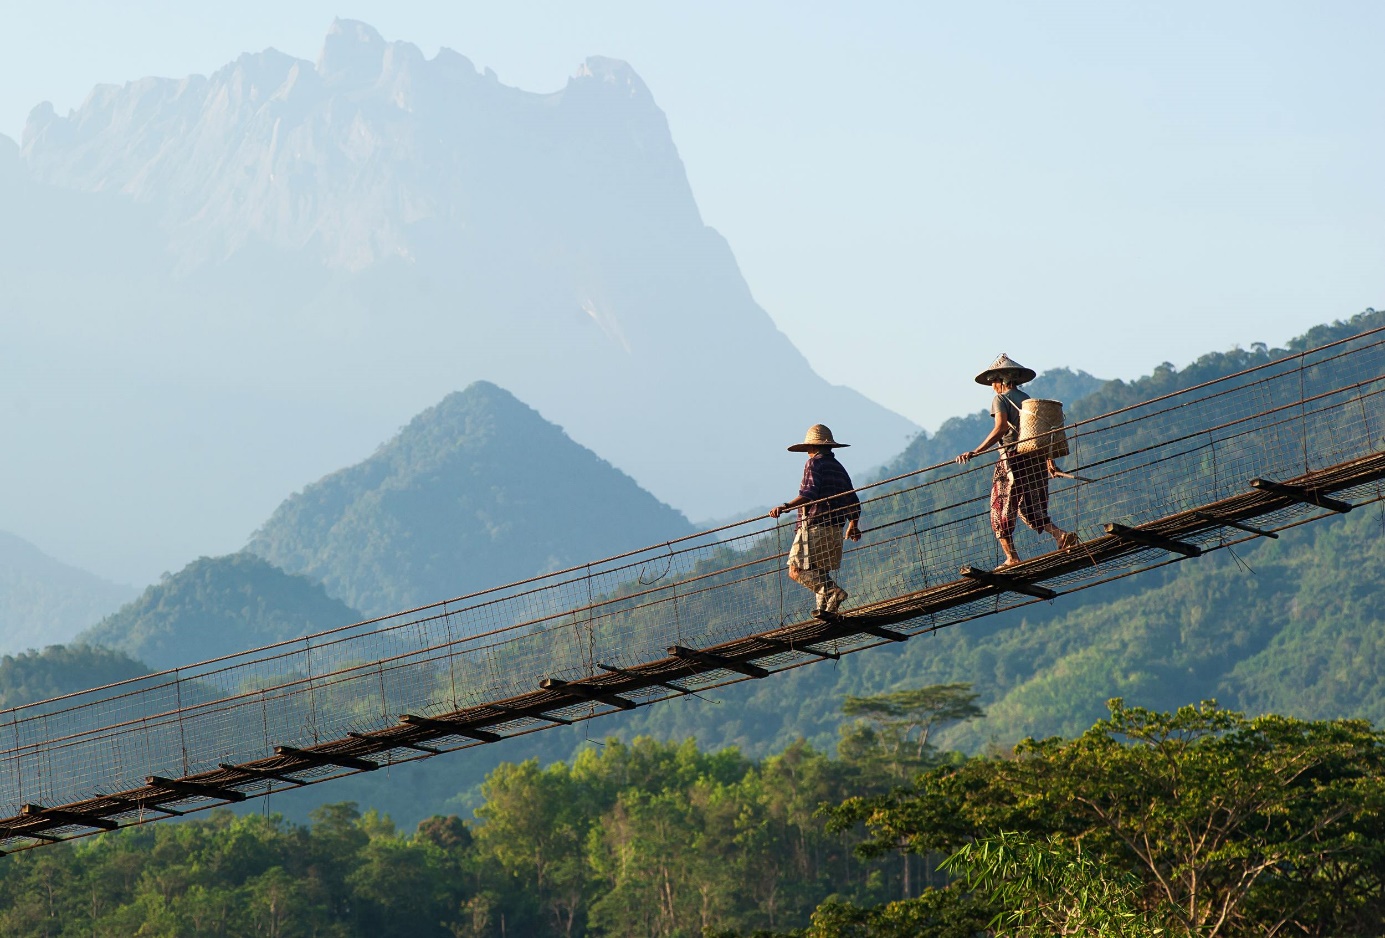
<point>1041,429</point>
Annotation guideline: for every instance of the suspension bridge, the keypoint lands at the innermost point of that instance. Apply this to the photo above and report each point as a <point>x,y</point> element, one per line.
<point>1165,480</point>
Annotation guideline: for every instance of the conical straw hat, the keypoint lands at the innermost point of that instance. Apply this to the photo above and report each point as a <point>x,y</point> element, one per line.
<point>1007,369</point>
<point>817,436</point>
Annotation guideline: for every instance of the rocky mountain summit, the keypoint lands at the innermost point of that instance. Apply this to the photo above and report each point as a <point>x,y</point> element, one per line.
<point>363,155</point>
<point>288,259</point>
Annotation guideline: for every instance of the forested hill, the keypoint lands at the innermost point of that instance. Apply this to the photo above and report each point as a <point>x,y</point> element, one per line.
<point>475,492</point>
<point>62,669</point>
<point>217,606</point>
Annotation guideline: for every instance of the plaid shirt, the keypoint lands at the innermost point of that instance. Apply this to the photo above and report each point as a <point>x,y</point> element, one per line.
<point>824,477</point>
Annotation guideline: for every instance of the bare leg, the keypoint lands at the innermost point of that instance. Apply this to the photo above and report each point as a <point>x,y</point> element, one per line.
<point>1007,544</point>
<point>1065,539</point>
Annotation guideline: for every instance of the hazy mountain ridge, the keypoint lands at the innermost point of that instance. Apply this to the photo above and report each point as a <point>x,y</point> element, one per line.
<point>295,258</point>
<point>475,492</point>
<point>44,601</point>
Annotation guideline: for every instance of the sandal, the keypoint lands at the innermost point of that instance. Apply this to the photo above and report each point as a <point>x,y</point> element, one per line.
<point>1068,541</point>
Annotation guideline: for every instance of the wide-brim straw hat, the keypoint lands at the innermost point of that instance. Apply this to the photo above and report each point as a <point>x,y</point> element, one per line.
<point>1006,369</point>
<point>817,437</point>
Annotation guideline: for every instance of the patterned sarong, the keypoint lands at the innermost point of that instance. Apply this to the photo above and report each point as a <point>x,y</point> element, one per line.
<point>1019,490</point>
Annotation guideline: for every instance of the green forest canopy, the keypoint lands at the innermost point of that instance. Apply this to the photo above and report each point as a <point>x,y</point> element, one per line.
<point>1083,835</point>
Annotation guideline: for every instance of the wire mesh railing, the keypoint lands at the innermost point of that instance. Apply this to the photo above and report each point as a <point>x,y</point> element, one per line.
<point>1279,421</point>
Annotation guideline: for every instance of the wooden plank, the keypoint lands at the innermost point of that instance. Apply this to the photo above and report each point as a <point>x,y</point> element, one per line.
<point>450,728</point>
<point>783,646</point>
<point>588,692</point>
<point>1150,539</point>
<point>879,631</point>
<point>646,679</point>
<point>194,789</point>
<point>67,818</point>
<point>1302,493</point>
<point>531,714</point>
<point>719,662</point>
<point>1003,581</point>
<point>327,758</point>
<point>261,773</point>
<point>394,743</point>
<point>125,804</point>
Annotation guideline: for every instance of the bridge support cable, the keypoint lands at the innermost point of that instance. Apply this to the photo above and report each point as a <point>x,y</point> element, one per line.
<point>1181,472</point>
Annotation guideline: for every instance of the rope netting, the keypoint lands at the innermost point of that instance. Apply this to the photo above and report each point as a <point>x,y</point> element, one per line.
<point>1297,415</point>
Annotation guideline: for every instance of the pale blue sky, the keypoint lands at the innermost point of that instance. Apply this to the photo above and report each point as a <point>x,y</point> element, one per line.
<point>911,188</point>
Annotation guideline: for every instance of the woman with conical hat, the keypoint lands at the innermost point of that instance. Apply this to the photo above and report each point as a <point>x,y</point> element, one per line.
<point>1019,488</point>
<point>826,502</point>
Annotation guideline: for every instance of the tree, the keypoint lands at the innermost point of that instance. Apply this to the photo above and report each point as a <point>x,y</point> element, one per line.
<point>535,826</point>
<point>901,724</point>
<point>1232,825</point>
<point>1046,886</point>
<point>938,913</point>
<point>893,742</point>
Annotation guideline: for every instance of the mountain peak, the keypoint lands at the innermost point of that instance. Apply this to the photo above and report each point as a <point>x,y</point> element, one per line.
<point>485,392</point>
<point>615,73</point>
<point>476,491</point>
<point>353,52</point>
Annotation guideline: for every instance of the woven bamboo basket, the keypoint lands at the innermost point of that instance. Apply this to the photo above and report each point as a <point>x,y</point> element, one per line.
<point>1041,429</point>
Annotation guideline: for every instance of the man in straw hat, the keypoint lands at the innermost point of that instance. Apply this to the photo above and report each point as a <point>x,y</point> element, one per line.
<point>1019,488</point>
<point>825,503</point>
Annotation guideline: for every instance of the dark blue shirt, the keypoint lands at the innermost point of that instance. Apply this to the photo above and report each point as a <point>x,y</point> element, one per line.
<point>825,478</point>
